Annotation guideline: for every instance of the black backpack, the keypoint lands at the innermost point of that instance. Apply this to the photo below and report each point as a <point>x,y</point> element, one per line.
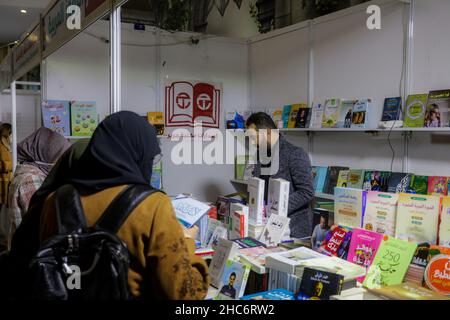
<point>85,263</point>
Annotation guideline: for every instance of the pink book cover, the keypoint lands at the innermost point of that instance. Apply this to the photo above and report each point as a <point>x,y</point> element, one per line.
<point>363,247</point>
<point>437,186</point>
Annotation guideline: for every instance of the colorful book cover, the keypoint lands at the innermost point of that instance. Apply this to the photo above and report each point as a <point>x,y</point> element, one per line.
<point>381,212</point>
<point>390,264</point>
<point>349,207</point>
<point>418,185</point>
<point>319,179</point>
<point>376,181</point>
<point>416,106</point>
<point>239,224</point>
<point>399,182</point>
<point>317,115</point>
<point>189,210</point>
<point>320,285</point>
<point>416,269</point>
<point>156,179</point>
<point>157,120</point>
<point>336,242</point>
<point>392,109</point>
<point>345,113</point>
<point>438,106</point>
<point>302,117</point>
<point>437,186</point>
<point>437,276</point>
<point>355,179</point>
<point>256,257</point>
<point>286,114</point>
<point>56,116</point>
<point>363,248</point>
<point>84,117</point>
<point>331,113</point>
<point>444,227</point>
<point>417,218</point>
<point>332,178</point>
<point>295,108</point>
<point>233,281</point>
<point>360,114</point>
<point>277,117</point>
<point>225,250</point>
<point>342,181</point>
<point>277,294</point>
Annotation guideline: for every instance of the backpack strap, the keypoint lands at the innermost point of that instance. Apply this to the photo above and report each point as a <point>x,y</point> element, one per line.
<point>121,207</point>
<point>69,210</point>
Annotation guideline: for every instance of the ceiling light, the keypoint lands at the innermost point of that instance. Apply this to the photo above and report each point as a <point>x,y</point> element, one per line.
<point>23,11</point>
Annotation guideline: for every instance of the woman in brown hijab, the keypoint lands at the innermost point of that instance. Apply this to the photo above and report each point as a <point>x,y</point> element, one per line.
<point>5,162</point>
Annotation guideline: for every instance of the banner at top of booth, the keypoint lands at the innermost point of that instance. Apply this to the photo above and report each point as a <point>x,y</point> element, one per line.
<point>55,21</point>
<point>26,55</point>
<point>6,72</point>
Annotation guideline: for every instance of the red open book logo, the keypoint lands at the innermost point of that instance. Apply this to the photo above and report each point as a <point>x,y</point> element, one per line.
<point>191,103</point>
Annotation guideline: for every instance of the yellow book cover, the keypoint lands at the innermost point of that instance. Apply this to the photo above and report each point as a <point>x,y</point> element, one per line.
<point>417,218</point>
<point>293,114</point>
<point>444,227</point>
<point>157,120</point>
<point>343,179</point>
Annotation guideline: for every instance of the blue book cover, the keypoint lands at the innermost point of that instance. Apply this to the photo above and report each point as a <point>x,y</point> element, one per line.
<point>319,179</point>
<point>277,294</point>
<point>56,116</point>
<point>392,109</point>
<point>285,116</point>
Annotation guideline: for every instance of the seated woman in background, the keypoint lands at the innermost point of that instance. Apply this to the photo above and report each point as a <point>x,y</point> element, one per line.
<point>162,260</point>
<point>36,155</point>
<point>5,162</point>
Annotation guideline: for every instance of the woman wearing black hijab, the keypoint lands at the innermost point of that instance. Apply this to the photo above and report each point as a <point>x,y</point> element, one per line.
<point>162,260</point>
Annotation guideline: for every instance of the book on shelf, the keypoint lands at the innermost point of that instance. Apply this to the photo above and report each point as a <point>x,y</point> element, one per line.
<point>213,224</point>
<point>233,281</point>
<point>418,185</point>
<point>391,263</point>
<point>277,117</point>
<point>438,105</point>
<point>437,271</point>
<point>56,116</point>
<point>345,113</point>
<point>361,113</point>
<point>239,223</point>
<point>84,118</point>
<point>248,242</point>
<point>282,280</point>
<point>444,227</point>
<point>331,113</point>
<point>278,197</point>
<point>416,106</point>
<point>349,207</point>
<point>322,222</point>
<point>188,210</point>
<point>319,176</point>
<point>363,248</point>
<point>224,251</point>
<point>376,180</point>
<point>416,270</point>
<point>256,200</point>
<point>256,257</point>
<point>342,181</point>
<point>337,242</point>
<point>156,178</point>
<point>355,179</point>
<point>295,108</point>
<point>276,294</point>
<point>317,116</point>
<point>392,109</point>
<point>274,230</point>
<point>407,291</point>
<point>303,115</point>
<point>399,182</point>
<point>320,285</point>
<point>438,186</point>
<point>332,178</point>
<point>380,213</point>
<point>417,218</point>
<point>157,120</point>
<point>286,114</point>
<point>223,207</point>
<point>219,232</point>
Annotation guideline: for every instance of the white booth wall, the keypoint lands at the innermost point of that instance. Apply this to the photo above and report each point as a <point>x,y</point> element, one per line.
<point>80,71</point>
<point>351,61</point>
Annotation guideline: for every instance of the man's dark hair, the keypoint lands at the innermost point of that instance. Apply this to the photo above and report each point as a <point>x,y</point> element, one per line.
<point>233,274</point>
<point>261,120</point>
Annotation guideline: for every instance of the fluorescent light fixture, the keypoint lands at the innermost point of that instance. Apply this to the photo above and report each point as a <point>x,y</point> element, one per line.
<point>23,11</point>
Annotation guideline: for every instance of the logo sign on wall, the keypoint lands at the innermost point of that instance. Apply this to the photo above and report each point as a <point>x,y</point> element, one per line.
<point>437,274</point>
<point>188,103</point>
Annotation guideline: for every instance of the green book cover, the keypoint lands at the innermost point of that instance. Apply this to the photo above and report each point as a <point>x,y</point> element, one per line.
<point>416,106</point>
<point>390,264</point>
<point>418,185</point>
<point>356,179</point>
<point>84,118</point>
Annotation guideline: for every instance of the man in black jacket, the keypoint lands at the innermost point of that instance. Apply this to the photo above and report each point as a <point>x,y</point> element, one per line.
<point>295,167</point>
